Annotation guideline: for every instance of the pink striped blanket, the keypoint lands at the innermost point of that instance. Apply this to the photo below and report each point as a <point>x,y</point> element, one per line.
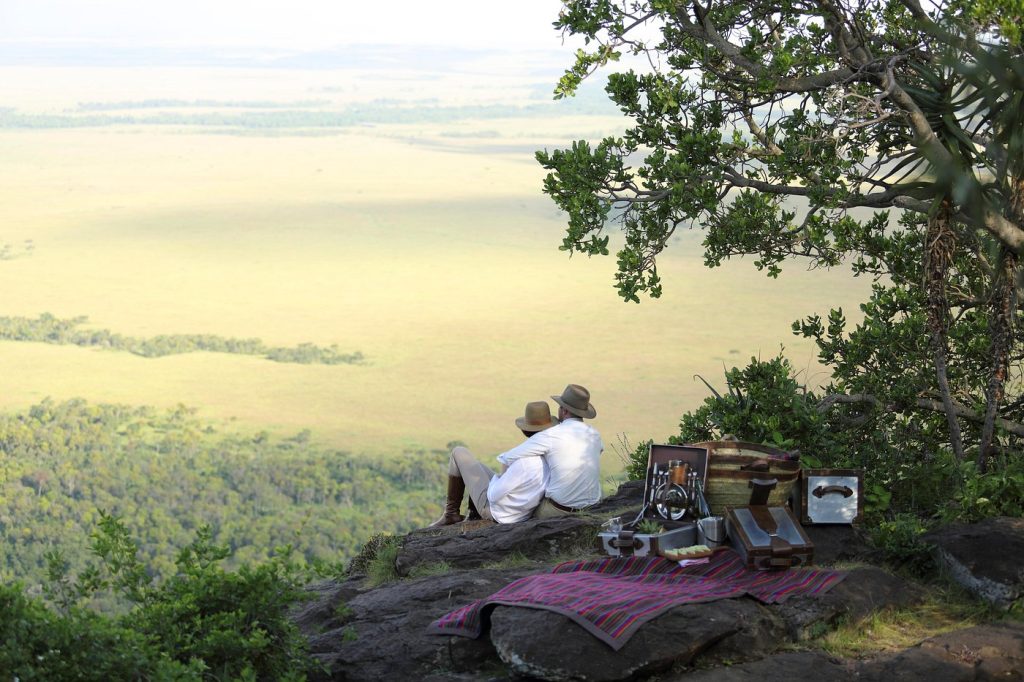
<point>612,597</point>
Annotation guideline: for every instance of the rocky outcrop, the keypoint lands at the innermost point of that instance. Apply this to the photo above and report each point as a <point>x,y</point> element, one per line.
<point>473,544</point>
<point>985,652</point>
<point>724,630</point>
<point>483,543</point>
<point>987,557</point>
<point>380,634</point>
<point>372,633</point>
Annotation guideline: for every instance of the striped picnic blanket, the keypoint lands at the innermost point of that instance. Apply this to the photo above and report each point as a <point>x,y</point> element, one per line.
<point>612,597</point>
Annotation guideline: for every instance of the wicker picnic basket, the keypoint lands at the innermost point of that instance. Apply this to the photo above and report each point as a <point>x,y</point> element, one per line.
<point>733,464</point>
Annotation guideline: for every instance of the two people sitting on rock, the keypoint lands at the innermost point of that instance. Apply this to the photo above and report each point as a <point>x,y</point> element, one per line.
<point>554,472</point>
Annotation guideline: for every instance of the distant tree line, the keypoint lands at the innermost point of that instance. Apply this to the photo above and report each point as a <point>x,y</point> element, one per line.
<point>197,103</point>
<point>48,328</point>
<point>167,474</point>
<point>273,116</point>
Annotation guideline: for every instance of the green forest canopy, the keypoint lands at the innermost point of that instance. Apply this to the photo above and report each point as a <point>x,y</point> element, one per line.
<point>165,473</point>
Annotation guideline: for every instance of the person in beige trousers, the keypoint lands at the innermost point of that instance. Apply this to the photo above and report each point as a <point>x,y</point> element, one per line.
<point>507,497</point>
<point>554,472</point>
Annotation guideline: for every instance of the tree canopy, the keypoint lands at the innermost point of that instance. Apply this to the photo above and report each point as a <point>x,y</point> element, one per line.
<point>885,134</point>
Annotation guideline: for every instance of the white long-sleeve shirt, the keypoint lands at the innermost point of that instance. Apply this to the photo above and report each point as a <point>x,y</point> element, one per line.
<point>572,450</point>
<point>513,495</point>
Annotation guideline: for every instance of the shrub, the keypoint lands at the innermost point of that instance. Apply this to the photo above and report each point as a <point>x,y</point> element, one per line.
<point>764,403</point>
<point>224,625</point>
<point>40,644</point>
<point>636,463</point>
<point>899,540</point>
<point>382,568</point>
<point>367,556</point>
<point>235,622</point>
<point>998,492</point>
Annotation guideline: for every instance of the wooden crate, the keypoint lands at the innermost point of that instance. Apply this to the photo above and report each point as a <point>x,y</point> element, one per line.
<point>768,537</point>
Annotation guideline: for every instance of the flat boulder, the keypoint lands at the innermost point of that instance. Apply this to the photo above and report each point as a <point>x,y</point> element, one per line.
<point>548,646</point>
<point>986,557</point>
<point>865,590</point>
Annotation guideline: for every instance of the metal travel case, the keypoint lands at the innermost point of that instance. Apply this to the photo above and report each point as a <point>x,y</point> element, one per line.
<point>831,496</point>
<point>630,543</point>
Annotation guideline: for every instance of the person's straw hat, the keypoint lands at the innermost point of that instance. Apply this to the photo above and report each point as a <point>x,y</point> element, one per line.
<point>576,400</point>
<point>536,417</point>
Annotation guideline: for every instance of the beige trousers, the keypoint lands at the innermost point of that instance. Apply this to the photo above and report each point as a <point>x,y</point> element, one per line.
<point>476,475</point>
<point>546,510</point>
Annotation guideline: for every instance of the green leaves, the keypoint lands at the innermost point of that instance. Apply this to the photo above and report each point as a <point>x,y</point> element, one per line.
<point>1006,15</point>
<point>752,100</point>
<point>789,131</point>
<point>203,623</point>
<point>763,403</point>
<point>579,174</point>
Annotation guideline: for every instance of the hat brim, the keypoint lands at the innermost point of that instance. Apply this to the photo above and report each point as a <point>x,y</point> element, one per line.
<point>534,428</point>
<point>589,413</point>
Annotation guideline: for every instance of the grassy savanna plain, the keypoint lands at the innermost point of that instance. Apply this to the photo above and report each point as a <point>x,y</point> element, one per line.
<point>419,237</point>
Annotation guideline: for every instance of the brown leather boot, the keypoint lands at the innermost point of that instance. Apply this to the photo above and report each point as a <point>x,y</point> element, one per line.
<point>456,489</point>
<point>473,514</point>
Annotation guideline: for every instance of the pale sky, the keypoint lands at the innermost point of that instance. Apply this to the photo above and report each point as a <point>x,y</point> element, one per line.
<point>291,24</point>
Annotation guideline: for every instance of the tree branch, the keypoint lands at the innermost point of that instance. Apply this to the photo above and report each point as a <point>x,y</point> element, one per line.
<point>706,32</point>
<point>931,404</point>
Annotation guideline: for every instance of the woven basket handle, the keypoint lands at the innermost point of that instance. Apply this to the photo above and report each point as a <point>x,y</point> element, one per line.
<point>761,489</point>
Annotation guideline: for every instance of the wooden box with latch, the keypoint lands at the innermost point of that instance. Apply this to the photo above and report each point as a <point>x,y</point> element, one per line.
<point>768,537</point>
<point>675,482</point>
<point>673,499</point>
<point>831,496</point>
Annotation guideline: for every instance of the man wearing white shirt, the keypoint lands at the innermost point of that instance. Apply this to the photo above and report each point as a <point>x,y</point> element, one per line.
<point>572,450</point>
<point>507,497</point>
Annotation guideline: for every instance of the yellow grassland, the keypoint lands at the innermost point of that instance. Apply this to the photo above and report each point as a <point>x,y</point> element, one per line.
<point>435,255</point>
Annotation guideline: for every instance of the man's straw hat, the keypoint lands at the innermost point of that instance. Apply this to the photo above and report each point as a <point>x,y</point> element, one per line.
<point>536,417</point>
<point>576,400</point>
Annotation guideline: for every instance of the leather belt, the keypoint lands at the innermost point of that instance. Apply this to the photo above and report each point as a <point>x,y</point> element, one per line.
<point>562,507</point>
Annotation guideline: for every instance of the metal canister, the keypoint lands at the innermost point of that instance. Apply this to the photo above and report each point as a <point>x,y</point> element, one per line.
<point>678,471</point>
<point>711,531</point>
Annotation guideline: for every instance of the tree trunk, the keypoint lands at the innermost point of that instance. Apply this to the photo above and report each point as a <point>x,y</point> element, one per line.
<point>940,242</point>
<point>1000,324</point>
